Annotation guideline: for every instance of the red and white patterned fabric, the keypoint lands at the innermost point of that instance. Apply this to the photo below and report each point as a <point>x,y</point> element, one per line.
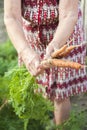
<point>40,20</point>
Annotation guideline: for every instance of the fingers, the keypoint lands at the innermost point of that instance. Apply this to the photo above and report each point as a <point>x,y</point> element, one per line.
<point>39,72</point>
<point>31,69</point>
<point>48,55</point>
<point>49,51</point>
<point>46,64</point>
<point>37,63</point>
<point>34,68</point>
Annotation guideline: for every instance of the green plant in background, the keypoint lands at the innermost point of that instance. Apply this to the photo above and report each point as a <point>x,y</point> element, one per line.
<point>77,121</point>
<point>8,119</point>
<point>8,57</point>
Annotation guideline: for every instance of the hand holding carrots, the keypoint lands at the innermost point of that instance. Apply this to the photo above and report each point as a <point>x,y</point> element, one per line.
<point>60,63</point>
<point>56,58</point>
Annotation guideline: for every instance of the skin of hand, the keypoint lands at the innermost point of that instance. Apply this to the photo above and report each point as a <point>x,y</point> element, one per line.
<point>49,50</point>
<point>31,61</point>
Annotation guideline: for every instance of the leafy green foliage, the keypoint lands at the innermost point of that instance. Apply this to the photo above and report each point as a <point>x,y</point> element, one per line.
<point>8,119</point>
<point>35,125</point>
<point>28,104</point>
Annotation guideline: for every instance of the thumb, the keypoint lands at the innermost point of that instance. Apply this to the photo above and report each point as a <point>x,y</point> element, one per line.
<point>37,63</point>
<point>47,56</point>
<point>48,53</point>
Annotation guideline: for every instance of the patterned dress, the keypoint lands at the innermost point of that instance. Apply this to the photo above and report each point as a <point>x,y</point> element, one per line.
<point>40,20</point>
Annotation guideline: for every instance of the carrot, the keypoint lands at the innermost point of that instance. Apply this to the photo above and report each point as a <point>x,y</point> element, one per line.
<point>64,63</point>
<point>61,50</point>
<point>67,51</point>
<point>64,52</point>
<point>56,53</point>
<point>61,63</point>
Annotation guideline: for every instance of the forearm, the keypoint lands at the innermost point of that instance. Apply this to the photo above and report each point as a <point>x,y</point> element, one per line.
<point>16,34</point>
<point>64,30</point>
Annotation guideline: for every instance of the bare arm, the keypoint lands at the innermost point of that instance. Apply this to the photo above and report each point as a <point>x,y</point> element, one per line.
<point>13,22</point>
<point>68,14</point>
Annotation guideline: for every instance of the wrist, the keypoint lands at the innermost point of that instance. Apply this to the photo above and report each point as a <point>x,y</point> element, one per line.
<point>22,49</point>
<point>55,45</point>
<point>27,54</point>
<point>26,50</point>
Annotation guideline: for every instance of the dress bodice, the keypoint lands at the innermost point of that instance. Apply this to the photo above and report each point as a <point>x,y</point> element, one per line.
<point>40,11</point>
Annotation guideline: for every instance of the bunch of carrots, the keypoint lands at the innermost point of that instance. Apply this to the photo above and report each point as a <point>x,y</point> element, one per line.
<point>56,58</point>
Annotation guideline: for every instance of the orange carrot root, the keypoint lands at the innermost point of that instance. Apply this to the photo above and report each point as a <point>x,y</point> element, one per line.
<point>62,63</point>
<point>56,53</point>
<point>64,51</point>
<point>67,51</point>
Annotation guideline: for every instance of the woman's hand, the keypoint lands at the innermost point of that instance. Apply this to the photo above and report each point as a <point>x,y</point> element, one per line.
<point>53,46</point>
<point>31,60</point>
